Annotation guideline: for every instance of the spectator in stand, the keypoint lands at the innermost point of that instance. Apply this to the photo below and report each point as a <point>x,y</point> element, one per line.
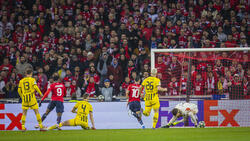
<point>42,80</point>
<point>2,87</point>
<point>117,72</point>
<point>94,74</point>
<point>183,83</point>
<point>125,85</point>
<point>174,68</point>
<point>92,88</point>
<point>102,67</point>
<point>11,87</point>
<point>6,66</point>
<point>246,87</point>
<point>22,65</point>
<point>236,88</point>
<point>198,85</point>
<point>107,91</point>
<point>173,87</point>
<point>210,83</point>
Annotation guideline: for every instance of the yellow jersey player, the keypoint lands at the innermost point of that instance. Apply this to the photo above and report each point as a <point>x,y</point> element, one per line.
<point>84,108</point>
<point>152,86</point>
<point>26,89</point>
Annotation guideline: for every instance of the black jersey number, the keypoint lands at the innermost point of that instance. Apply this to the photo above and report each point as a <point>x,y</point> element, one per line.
<point>149,86</point>
<point>84,108</point>
<point>26,85</point>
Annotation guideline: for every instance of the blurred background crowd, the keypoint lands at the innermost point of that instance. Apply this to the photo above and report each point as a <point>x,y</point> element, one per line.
<point>96,44</point>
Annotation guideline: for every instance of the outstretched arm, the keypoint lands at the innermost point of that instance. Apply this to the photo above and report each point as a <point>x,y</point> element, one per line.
<point>193,117</point>
<point>162,89</point>
<point>92,120</point>
<point>173,119</point>
<point>46,94</point>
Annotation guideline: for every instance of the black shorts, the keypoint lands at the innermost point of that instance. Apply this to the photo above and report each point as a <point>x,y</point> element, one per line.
<point>58,104</point>
<point>135,106</point>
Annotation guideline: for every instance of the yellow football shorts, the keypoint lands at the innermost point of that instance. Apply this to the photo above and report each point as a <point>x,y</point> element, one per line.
<point>29,105</point>
<point>149,104</point>
<point>78,122</point>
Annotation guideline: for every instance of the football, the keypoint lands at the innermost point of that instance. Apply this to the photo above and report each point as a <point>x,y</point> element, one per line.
<point>202,124</point>
<point>101,98</point>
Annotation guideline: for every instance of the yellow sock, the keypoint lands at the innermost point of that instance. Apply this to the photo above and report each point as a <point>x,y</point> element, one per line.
<point>23,119</point>
<point>39,120</point>
<point>60,125</point>
<point>175,123</point>
<point>155,119</point>
<point>52,127</point>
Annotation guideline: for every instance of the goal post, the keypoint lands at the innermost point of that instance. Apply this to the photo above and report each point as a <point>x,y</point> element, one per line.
<point>195,59</point>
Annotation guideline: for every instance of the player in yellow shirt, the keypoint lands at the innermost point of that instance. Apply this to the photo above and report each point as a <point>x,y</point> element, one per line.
<point>152,86</point>
<point>26,89</point>
<point>84,108</point>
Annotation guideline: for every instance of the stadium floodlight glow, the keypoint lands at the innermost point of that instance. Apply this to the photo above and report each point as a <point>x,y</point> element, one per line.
<point>153,51</point>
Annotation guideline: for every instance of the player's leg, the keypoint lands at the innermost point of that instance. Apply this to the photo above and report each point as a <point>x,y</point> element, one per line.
<point>171,122</point>
<point>84,125</point>
<point>59,111</point>
<point>177,122</point>
<point>156,113</point>
<point>70,122</point>
<point>38,117</point>
<point>46,114</point>
<point>50,107</point>
<point>136,108</point>
<point>148,108</point>
<point>194,118</point>
<point>23,119</point>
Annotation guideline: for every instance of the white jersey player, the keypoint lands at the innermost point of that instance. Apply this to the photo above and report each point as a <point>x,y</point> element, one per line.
<point>184,110</point>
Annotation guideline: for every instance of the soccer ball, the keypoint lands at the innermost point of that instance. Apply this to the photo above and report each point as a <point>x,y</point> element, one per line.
<point>101,98</point>
<point>202,124</point>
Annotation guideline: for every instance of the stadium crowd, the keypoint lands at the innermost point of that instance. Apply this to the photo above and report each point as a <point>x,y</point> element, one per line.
<point>93,42</point>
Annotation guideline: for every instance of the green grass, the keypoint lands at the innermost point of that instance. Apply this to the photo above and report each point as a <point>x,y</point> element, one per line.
<point>172,134</point>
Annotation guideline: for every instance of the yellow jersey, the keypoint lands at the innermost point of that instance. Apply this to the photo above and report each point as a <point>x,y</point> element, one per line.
<point>150,85</point>
<point>83,109</point>
<point>26,90</point>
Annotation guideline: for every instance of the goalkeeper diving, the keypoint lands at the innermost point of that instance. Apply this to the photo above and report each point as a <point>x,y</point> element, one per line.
<point>184,110</point>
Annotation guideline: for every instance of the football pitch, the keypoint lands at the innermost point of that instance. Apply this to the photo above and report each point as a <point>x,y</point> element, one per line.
<point>172,134</point>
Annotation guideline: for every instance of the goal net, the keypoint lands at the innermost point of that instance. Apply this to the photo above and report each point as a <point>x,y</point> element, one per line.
<point>216,76</point>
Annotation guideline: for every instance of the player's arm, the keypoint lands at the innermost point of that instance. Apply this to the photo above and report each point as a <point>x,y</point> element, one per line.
<point>193,118</point>
<point>46,94</point>
<point>127,93</point>
<point>75,108</point>
<point>160,88</point>
<point>173,119</point>
<point>92,120</point>
<point>140,91</point>
<point>19,90</point>
<point>37,89</point>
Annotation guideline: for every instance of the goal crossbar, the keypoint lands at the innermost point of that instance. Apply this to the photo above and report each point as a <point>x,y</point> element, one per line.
<point>153,51</point>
